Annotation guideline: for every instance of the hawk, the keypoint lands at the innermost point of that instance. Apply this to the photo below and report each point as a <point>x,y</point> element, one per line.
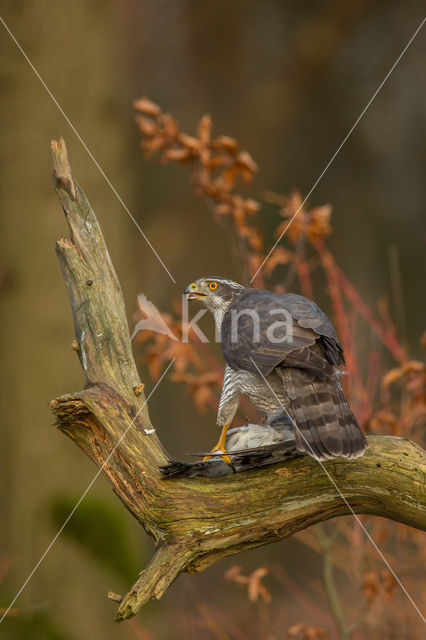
<point>283,353</point>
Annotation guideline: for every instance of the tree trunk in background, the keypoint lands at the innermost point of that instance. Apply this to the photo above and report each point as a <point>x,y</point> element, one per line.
<point>37,464</point>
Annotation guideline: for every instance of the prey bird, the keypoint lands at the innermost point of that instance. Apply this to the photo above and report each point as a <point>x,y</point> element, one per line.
<point>283,353</point>
<point>251,446</point>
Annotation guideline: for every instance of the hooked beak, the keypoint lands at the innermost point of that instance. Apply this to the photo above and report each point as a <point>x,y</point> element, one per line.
<point>192,293</point>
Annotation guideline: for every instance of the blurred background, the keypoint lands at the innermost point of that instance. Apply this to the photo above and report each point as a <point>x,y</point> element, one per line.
<point>288,80</point>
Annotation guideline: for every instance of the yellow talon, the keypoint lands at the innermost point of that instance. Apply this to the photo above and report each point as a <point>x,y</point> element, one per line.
<point>225,457</point>
<point>221,446</point>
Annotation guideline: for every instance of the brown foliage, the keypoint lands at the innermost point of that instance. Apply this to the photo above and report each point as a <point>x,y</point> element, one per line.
<point>304,631</point>
<point>217,163</point>
<point>385,401</point>
<point>253,582</point>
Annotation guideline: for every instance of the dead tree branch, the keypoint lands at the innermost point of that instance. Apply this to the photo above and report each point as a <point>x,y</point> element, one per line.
<point>199,521</point>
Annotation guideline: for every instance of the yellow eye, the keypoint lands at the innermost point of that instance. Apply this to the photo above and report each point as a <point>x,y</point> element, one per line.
<point>213,285</point>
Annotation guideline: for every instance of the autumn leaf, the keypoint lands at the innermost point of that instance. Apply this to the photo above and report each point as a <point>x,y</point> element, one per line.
<point>146,125</point>
<point>278,257</point>
<point>251,206</point>
<point>304,631</point>
<point>253,582</point>
<point>256,588</point>
<point>392,376</point>
<point>315,224</point>
<point>147,107</point>
<point>225,143</point>
<point>413,366</point>
<point>177,155</point>
<point>204,129</point>
<point>246,162</point>
<point>191,143</point>
<point>383,422</point>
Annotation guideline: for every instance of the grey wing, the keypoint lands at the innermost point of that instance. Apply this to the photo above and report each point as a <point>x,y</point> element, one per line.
<point>263,330</point>
<point>309,315</point>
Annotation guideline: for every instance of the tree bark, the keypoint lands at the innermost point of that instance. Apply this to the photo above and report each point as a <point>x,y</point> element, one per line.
<point>194,522</point>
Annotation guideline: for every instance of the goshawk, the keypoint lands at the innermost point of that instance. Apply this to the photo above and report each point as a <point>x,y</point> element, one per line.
<point>282,352</point>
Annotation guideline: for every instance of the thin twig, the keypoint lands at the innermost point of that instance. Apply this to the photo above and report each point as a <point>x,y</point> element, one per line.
<point>326,542</point>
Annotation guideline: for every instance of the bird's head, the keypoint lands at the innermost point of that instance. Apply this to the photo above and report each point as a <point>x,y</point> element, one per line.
<point>217,294</point>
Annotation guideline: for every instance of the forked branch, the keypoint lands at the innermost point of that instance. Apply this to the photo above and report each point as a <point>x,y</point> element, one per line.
<point>199,521</point>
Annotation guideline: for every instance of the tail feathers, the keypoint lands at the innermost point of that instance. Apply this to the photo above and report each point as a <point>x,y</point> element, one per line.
<point>324,425</point>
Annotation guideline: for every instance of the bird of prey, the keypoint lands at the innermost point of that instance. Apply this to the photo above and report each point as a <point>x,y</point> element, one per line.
<point>283,353</point>
<point>252,446</point>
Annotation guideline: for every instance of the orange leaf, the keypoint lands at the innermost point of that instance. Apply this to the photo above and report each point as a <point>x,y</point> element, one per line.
<point>279,256</point>
<point>204,129</point>
<point>225,143</point>
<point>222,209</point>
<point>146,106</point>
<point>178,155</point>
<point>251,206</point>
<point>245,160</point>
<point>392,376</point>
<point>413,365</point>
<point>169,124</point>
<point>189,142</point>
<point>146,125</point>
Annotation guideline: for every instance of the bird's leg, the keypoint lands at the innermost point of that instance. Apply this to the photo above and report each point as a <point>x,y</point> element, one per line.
<point>221,445</point>
<point>228,406</point>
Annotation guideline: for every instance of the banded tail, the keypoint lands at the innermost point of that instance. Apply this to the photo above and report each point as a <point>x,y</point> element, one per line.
<point>326,426</point>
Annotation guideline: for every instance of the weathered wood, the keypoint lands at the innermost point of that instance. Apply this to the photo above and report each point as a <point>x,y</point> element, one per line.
<point>199,521</point>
